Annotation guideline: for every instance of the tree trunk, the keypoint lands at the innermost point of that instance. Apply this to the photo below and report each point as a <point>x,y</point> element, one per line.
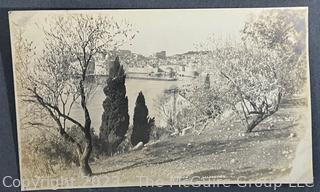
<point>267,113</point>
<point>85,167</point>
<point>84,157</point>
<point>255,122</point>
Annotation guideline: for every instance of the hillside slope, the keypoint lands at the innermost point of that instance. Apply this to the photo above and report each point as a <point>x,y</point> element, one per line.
<point>222,153</point>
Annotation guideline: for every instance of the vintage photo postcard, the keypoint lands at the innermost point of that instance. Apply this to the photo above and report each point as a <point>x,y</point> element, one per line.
<point>162,97</point>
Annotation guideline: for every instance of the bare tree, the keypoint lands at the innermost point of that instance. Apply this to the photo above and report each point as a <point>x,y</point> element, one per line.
<point>255,73</point>
<point>246,80</point>
<point>58,79</point>
<point>255,87</point>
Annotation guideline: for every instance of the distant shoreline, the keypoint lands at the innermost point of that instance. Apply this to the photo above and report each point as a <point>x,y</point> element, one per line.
<point>152,78</point>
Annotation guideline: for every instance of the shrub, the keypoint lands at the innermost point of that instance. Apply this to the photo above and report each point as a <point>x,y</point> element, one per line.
<point>45,153</point>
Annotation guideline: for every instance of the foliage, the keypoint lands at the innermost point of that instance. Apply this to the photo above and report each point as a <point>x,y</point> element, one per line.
<point>252,85</point>
<point>159,133</point>
<point>204,104</point>
<point>56,79</point>
<point>195,105</point>
<point>115,118</point>
<point>284,33</point>
<point>142,124</point>
<point>125,145</point>
<point>252,75</point>
<point>46,153</point>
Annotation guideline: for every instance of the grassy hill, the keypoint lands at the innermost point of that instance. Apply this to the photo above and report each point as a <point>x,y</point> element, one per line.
<point>223,152</point>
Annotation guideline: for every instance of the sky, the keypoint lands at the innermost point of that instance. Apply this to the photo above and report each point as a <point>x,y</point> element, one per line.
<point>171,30</point>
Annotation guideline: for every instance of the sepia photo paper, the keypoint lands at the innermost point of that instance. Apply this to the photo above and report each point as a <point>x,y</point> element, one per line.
<point>155,97</point>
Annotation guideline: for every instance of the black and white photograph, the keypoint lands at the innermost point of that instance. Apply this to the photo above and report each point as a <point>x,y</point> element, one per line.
<point>152,97</point>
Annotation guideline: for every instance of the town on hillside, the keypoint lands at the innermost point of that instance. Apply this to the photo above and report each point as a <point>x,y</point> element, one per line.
<point>158,66</point>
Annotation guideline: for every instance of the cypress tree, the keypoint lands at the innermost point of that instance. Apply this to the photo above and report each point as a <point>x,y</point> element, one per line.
<point>207,82</point>
<point>141,122</point>
<point>115,118</point>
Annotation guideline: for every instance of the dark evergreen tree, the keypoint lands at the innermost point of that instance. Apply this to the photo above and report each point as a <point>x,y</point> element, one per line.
<point>142,124</point>
<point>207,82</point>
<point>115,118</point>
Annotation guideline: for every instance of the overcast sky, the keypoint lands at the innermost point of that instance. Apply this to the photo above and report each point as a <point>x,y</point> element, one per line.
<point>175,31</point>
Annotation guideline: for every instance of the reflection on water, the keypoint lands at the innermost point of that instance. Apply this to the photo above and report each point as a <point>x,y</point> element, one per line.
<point>150,88</point>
